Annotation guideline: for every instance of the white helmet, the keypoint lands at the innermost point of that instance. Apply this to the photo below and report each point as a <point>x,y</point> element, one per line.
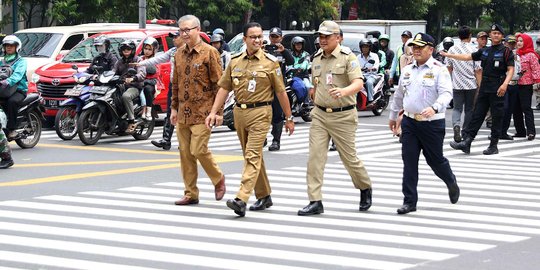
<point>12,39</point>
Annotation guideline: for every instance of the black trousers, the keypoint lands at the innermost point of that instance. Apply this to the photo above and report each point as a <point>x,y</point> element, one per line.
<point>523,108</point>
<point>484,102</point>
<point>428,137</point>
<point>511,108</point>
<point>11,106</point>
<point>149,91</point>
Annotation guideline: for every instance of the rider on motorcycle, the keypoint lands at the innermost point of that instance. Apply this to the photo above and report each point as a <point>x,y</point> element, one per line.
<point>300,68</point>
<point>375,47</point>
<point>447,43</point>
<point>150,48</point>
<point>11,45</point>
<point>218,42</point>
<point>369,70</point>
<point>384,41</point>
<point>105,58</point>
<point>220,32</point>
<point>134,84</point>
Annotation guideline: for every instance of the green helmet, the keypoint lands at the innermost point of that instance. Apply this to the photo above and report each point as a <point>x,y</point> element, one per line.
<point>384,36</point>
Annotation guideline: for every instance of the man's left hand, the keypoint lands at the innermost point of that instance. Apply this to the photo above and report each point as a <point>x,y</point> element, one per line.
<point>280,47</point>
<point>428,112</point>
<point>502,90</point>
<point>289,127</point>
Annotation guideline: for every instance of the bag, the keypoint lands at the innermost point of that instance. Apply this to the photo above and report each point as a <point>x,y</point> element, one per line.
<point>299,88</point>
<point>5,72</point>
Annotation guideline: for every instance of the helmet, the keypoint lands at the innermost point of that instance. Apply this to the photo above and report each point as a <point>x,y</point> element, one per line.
<point>12,40</point>
<point>127,44</point>
<point>374,44</point>
<point>296,40</point>
<point>218,31</point>
<point>447,43</point>
<point>384,36</point>
<point>103,40</point>
<point>364,42</point>
<point>153,42</point>
<point>216,38</point>
<point>316,40</point>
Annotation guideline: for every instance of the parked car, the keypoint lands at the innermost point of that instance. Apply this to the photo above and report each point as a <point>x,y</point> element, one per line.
<point>44,45</point>
<point>54,79</point>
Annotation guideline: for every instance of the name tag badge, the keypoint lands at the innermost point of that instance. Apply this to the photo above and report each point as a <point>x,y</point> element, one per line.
<point>329,78</point>
<point>428,82</point>
<point>251,86</point>
<point>496,64</point>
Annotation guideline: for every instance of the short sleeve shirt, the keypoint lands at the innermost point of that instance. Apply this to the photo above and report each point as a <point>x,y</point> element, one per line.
<point>337,69</point>
<point>261,69</point>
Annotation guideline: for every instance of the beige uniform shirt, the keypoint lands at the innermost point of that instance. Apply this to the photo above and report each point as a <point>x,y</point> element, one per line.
<point>261,69</point>
<point>335,70</point>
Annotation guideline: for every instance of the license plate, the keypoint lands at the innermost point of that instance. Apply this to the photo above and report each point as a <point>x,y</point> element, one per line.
<point>51,103</point>
<point>74,92</point>
<point>99,90</point>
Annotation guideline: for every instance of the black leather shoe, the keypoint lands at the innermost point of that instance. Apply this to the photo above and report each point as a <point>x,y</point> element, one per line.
<point>6,163</point>
<point>531,137</point>
<point>162,144</point>
<point>406,208</point>
<point>464,145</point>
<point>365,199</point>
<point>457,133</point>
<point>517,135</point>
<point>453,193</point>
<point>313,208</point>
<point>261,204</point>
<point>274,146</point>
<point>238,206</point>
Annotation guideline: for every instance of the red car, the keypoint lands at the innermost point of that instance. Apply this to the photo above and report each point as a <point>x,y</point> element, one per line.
<point>52,80</point>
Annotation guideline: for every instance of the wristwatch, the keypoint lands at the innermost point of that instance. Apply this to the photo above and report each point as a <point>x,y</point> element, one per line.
<point>435,109</point>
<point>290,118</point>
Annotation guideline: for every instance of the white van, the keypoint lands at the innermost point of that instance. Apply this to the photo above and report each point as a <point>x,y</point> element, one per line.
<point>44,45</point>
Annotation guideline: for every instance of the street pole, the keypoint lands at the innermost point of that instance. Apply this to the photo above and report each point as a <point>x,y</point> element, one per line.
<point>15,16</point>
<point>142,14</point>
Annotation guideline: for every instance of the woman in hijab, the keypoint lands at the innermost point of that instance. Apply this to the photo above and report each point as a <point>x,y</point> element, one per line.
<point>530,76</point>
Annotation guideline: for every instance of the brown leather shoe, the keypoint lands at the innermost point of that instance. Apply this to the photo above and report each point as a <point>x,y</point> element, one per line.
<point>219,189</point>
<point>186,201</point>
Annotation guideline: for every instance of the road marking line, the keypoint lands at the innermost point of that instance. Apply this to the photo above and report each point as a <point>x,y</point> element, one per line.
<point>124,161</point>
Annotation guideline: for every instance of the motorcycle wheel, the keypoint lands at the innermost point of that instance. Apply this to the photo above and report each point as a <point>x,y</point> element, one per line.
<point>380,109</point>
<point>32,130</point>
<point>144,130</point>
<point>90,126</point>
<point>65,123</point>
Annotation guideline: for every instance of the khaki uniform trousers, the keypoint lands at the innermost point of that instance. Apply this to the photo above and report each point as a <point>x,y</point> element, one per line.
<point>341,127</point>
<point>252,126</point>
<point>193,141</point>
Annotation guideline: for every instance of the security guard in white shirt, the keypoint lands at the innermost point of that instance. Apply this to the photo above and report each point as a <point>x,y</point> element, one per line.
<point>425,89</point>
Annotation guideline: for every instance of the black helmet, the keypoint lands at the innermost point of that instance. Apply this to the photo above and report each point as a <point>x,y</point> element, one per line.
<point>216,38</point>
<point>316,41</point>
<point>102,40</point>
<point>296,40</point>
<point>128,43</point>
<point>364,42</point>
<point>153,42</point>
<point>448,42</point>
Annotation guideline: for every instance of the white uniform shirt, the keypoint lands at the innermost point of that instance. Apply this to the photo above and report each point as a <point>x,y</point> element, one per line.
<point>421,87</point>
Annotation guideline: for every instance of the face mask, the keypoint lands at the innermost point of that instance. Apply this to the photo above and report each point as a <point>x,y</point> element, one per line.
<point>10,57</point>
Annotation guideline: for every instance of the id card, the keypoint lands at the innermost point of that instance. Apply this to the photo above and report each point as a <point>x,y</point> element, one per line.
<point>251,86</point>
<point>329,78</point>
<point>496,64</point>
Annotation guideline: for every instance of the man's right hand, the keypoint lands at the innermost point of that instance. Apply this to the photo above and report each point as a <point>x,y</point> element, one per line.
<point>392,125</point>
<point>213,120</point>
<point>391,81</point>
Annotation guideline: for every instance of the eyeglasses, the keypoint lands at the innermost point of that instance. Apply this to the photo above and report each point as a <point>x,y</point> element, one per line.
<point>261,37</point>
<point>187,30</point>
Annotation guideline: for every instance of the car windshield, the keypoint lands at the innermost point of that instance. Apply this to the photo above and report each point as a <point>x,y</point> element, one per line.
<point>85,51</point>
<point>38,44</point>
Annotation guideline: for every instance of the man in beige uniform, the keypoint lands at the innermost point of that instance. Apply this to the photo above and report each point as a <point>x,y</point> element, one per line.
<point>194,87</point>
<point>337,78</point>
<point>255,77</point>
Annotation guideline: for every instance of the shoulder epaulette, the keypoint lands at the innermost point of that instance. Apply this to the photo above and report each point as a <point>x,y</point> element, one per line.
<point>346,50</point>
<point>271,57</point>
<point>236,55</point>
<point>319,52</point>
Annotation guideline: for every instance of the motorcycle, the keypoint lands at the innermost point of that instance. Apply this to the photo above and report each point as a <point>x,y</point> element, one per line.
<point>30,121</point>
<point>381,95</point>
<point>65,122</point>
<point>105,112</point>
<point>299,107</point>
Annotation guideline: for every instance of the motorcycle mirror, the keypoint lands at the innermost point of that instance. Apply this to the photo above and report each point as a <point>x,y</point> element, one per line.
<point>75,67</point>
<point>371,61</point>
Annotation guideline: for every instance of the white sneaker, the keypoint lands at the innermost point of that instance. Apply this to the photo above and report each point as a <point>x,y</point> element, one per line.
<point>148,115</point>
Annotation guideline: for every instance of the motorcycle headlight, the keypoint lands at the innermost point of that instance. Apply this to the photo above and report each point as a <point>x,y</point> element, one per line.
<point>82,79</point>
<point>35,78</point>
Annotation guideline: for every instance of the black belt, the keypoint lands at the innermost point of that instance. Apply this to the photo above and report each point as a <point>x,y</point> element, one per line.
<point>329,110</point>
<point>490,79</point>
<point>253,105</point>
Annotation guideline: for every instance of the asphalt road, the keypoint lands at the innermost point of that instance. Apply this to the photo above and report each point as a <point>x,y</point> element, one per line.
<point>109,206</point>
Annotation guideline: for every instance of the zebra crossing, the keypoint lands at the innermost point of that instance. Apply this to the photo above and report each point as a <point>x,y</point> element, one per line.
<point>372,140</point>
<point>139,227</point>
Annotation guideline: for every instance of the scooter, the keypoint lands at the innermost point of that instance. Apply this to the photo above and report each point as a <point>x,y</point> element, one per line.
<point>105,112</point>
<point>30,121</point>
<point>381,96</point>
<point>65,122</point>
<point>299,107</point>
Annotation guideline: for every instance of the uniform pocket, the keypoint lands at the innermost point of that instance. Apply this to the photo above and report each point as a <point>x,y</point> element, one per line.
<point>338,70</point>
